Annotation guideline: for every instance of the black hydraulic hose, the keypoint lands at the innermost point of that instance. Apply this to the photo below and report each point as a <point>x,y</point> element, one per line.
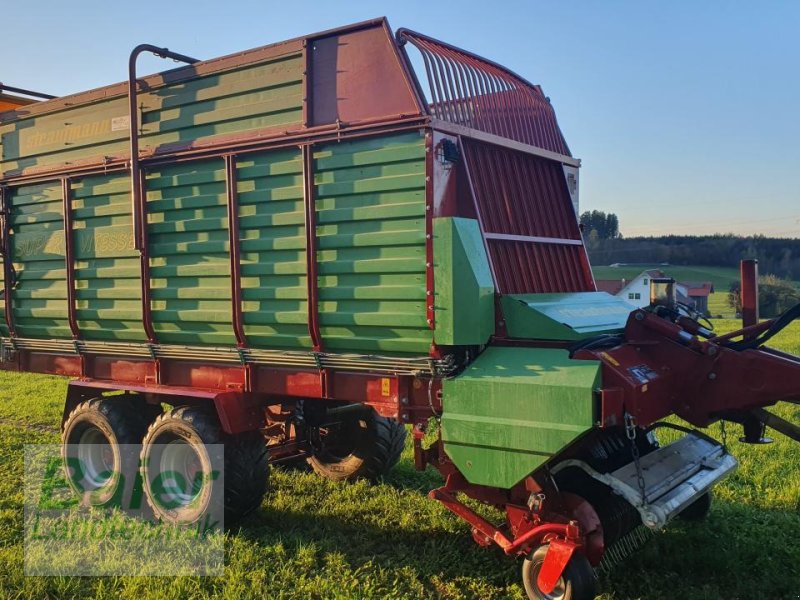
<point>605,340</point>
<point>779,325</point>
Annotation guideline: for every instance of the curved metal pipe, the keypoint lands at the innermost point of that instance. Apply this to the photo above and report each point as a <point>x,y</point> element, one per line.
<point>136,189</point>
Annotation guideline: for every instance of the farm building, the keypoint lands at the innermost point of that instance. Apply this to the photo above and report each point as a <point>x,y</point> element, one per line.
<point>636,291</point>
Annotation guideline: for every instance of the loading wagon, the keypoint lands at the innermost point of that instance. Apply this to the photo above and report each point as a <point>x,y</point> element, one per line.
<point>308,249</point>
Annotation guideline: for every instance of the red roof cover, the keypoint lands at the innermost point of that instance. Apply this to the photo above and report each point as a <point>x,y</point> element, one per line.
<point>612,286</point>
<point>697,290</point>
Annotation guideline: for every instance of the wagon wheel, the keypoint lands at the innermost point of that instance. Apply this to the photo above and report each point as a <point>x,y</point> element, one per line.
<point>101,440</point>
<point>184,452</point>
<point>577,582</point>
<point>367,447</point>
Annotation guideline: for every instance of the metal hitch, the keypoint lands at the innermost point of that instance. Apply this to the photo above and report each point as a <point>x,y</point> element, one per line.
<point>674,477</point>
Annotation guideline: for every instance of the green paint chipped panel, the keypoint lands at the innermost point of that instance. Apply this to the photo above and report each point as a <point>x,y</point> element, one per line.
<point>273,249</point>
<point>39,299</point>
<point>513,408</point>
<point>370,212</point>
<point>108,293</point>
<point>189,259</point>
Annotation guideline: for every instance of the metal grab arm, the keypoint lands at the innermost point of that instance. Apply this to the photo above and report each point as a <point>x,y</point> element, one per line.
<point>136,188</point>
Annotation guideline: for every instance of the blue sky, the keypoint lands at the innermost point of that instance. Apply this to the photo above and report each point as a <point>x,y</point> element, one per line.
<point>684,113</point>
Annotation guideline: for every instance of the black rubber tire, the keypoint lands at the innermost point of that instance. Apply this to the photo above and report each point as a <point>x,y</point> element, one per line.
<point>699,509</point>
<point>579,581</point>
<point>118,420</point>
<point>246,466</point>
<point>373,447</point>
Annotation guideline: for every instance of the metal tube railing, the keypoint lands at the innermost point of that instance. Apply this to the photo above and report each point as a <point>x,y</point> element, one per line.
<point>136,188</point>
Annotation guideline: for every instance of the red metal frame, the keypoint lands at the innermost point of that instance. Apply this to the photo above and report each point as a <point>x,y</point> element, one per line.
<point>144,261</point>
<point>698,380</point>
<point>749,292</point>
<point>527,219</point>
<point>521,545</point>
<point>69,256</point>
<point>430,293</point>
<point>8,268</point>
<point>470,90</point>
<point>309,201</point>
<point>307,86</point>
<point>234,249</point>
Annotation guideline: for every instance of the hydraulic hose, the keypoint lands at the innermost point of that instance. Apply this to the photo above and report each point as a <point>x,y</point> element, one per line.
<point>779,325</point>
<point>605,340</point>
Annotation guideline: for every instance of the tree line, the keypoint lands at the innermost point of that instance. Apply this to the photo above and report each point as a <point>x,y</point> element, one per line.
<point>606,245</point>
<point>776,256</point>
<point>774,296</point>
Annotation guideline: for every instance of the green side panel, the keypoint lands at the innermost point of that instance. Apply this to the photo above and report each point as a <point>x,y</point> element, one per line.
<point>91,130</point>
<point>37,245</point>
<point>267,94</point>
<point>513,408</point>
<point>370,212</point>
<point>189,261</point>
<point>573,316</point>
<point>464,290</point>
<point>273,249</point>
<point>108,294</point>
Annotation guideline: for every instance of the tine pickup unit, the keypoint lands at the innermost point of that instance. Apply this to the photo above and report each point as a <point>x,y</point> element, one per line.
<point>668,479</point>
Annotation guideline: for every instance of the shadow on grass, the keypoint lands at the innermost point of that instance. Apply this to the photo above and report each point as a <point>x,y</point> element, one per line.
<point>741,551</point>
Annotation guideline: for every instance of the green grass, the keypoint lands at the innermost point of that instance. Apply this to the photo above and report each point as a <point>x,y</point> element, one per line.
<point>721,277</point>
<point>317,539</point>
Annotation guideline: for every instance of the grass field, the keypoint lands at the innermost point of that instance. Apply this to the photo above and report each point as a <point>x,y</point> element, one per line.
<point>721,277</point>
<point>317,539</point>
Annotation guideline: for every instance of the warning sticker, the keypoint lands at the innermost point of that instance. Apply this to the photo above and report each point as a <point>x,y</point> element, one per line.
<point>121,123</point>
<point>643,374</point>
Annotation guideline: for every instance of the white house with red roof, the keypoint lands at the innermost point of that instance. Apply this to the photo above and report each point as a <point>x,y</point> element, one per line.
<point>636,291</point>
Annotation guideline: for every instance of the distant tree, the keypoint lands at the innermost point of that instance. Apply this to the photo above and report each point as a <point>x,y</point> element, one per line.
<point>606,225</point>
<point>592,240</point>
<point>775,296</point>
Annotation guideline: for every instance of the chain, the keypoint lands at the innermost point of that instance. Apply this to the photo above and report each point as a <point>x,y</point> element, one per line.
<point>724,435</point>
<point>630,433</point>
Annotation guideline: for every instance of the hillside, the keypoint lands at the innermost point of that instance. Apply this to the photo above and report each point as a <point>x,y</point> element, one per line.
<point>778,256</point>
<point>721,277</point>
